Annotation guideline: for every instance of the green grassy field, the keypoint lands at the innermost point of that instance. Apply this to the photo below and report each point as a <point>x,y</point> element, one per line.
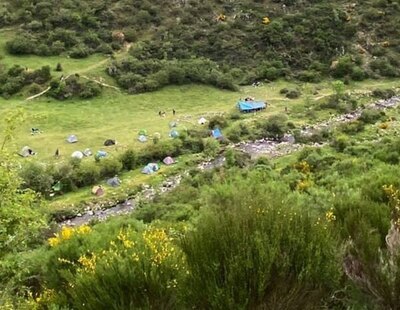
<point>117,115</point>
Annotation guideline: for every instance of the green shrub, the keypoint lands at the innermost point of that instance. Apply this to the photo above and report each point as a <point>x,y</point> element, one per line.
<point>371,116</point>
<point>37,177</point>
<point>340,142</point>
<point>293,94</point>
<point>110,167</point>
<point>217,121</point>
<point>210,147</point>
<point>251,251</point>
<point>89,90</point>
<point>87,173</point>
<point>383,93</point>
<point>129,159</point>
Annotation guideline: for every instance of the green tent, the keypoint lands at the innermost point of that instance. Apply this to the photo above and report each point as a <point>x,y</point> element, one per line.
<point>142,132</point>
<point>57,187</point>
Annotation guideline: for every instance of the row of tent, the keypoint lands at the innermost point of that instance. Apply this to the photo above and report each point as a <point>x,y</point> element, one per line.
<point>74,139</point>
<point>87,153</point>
<point>150,168</point>
<point>27,151</point>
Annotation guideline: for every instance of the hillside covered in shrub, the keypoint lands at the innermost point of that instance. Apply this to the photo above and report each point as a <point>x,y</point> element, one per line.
<point>242,41</point>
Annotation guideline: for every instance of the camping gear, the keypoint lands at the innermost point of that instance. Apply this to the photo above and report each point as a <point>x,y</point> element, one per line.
<point>97,190</point>
<point>26,151</point>
<point>142,138</point>
<point>157,135</point>
<point>173,124</point>
<point>87,152</point>
<point>100,154</point>
<point>114,182</point>
<point>168,160</point>
<point>247,106</point>
<point>142,132</point>
<point>150,168</point>
<point>35,131</point>
<point>57,187</point>
<point>72,139</point>
<point>77,154</point>
<point>216,133</point>
<point>174,134</point>
<point>202,121</point>
<point>110,142</point>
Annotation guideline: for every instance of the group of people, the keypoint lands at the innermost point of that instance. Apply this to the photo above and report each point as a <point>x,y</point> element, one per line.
<point>162,113</point>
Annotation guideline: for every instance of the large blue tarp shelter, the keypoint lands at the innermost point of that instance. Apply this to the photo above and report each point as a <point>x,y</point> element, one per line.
<point>251,106</point>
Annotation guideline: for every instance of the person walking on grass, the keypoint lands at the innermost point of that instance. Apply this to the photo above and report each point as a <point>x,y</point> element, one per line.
<point>173,112</point>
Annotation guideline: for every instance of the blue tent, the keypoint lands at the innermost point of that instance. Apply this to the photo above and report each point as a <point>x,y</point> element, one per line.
<point>251,106</point>
<point>150,168</point>
<point>216,133</point>
<point>100,154</point>
<point>174,133</point>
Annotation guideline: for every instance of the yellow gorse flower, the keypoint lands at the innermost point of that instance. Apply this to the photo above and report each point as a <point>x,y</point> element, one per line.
<point>88,262</point>
<point>67,233</point>
<point>330,216</point>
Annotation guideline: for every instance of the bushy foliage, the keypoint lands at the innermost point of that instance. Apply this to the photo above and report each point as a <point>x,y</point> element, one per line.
<point>318,35</point>
<point>17,77</point>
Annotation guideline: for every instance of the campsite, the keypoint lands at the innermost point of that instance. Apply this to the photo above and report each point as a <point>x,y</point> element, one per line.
<point>199,154</point>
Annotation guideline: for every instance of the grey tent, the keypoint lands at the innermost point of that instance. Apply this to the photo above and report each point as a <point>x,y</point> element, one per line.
<point>26,151</point>
<point>114,182</point>
<point>72,139</point>
<point>87,152</point>
<point>77,154</point>
<point>173,124</point>
<point>110,142</point>
<point>142,138</point>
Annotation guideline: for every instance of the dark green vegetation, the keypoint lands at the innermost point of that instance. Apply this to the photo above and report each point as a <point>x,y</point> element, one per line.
<point>301,232</point>
<point>318,228</point>
<point>221,43</point>
<point>315,229</point>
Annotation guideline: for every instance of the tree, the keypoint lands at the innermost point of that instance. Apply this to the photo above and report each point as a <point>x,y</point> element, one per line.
<point>338,89</point>
<point>21,219</point>
<point>59,67</point>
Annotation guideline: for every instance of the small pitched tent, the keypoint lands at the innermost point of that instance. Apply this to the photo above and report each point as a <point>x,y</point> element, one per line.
<point>150,168</point>
<point>110,142</point>
<point>202,121</point>
<point>77,154</point>
<point>97,190</point>
<point>87,152</point>
<point>142,138</point>
<point>216,133</point>
<point>173,124</point>
<point>157,135</point>
<point>247,106</point>
<point>26,151</point>
<point>57,187</point>
<point>114,182</point>
<point>174,133</point>
<point>168,160</point>
<point>72,139</point>
<point>100,154</point>
<point>142,132</point>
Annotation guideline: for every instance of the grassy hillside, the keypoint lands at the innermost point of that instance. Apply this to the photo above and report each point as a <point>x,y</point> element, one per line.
<point>313,224</point>
<point>238,41</point>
